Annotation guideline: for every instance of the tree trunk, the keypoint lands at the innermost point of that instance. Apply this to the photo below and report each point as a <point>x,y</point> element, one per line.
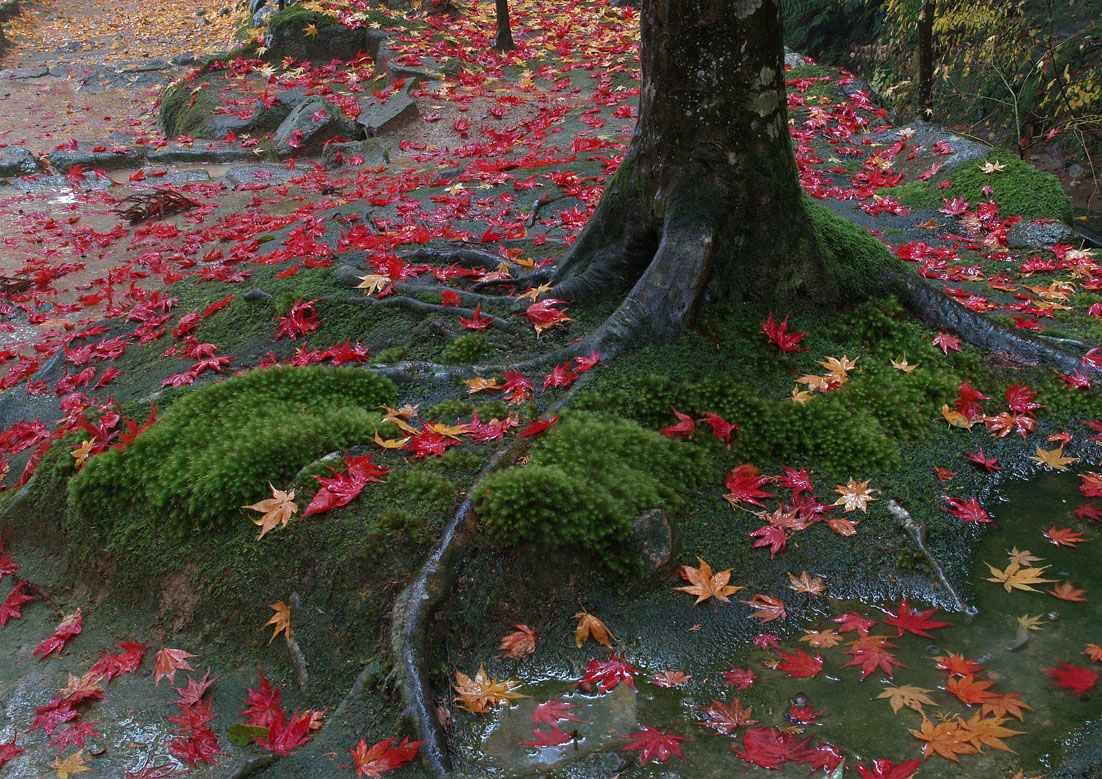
<point>706,205</point>
<point>926,60</point>
<point>503,40</point>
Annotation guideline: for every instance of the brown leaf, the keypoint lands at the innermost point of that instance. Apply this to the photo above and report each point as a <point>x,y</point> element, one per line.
<point>520,643</point>
<point>280,621</point>
<point>277,510</point>
<point>704,584</point>
<point>591,627</point>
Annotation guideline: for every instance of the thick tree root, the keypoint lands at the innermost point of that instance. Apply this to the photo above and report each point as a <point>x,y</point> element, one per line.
<point>941,311</point>
<point>469,299</point>
<point>419,307</point>
<point>417,603</point>
<point>252,766</point>
<point>533,279</point>
<point>464,257</point>
<point>544,200</point>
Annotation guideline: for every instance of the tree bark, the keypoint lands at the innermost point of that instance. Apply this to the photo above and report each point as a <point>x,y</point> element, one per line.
<point>503,40</point>
<point>706,205</point>
<point>926,60</point>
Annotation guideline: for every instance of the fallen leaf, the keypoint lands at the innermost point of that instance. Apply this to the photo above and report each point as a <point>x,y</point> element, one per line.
<point>280,621</point>
<point>591,627</point>
<point>704,584</point>
<point>276,510</point>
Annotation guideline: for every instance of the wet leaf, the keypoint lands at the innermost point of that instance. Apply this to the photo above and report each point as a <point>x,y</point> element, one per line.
<point>704,584</point>
<point>907,696</point>
<point>480,693</point>
<point>726,717</point>
<point>276,510</point>
<point>520,643</point>
<point>591,627</point>
<point>653,745</point>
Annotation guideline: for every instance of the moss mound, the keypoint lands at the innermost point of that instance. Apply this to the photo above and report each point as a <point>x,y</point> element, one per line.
<point>1020,189</point>
<point>586,480</point>
<point>217,448</point>
<point>854,259</point>
<point>184,109</point>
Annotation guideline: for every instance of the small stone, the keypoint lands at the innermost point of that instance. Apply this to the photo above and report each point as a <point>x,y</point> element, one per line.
<point>651,540</point>
<point>256,295</point>
<point>1039,234</point>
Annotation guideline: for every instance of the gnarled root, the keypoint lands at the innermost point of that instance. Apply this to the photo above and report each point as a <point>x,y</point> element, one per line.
<point>420,307</point>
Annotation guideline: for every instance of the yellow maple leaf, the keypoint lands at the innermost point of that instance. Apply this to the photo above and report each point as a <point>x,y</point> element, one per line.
<point>704,584</point>
<point>479,384</point>
<point>907,696</point>
<point>591,627</point>
<point>390,443</point>
<point>73,764</point>
<point>955,418</point>
<point>801,396</point>
<point>280,621</point>
<point>276,510</point>
<point>480,693</point>
<point>82,453</point>
<point>1014,577</point>
<point>822,639</point>
<point>1054,458</point>
<point>805,583</point>
<point>839,368</point>
<point>373,283</point>
<point>451,431</point>
<point>991,167</point>
<point>902,364</point>
<point>535,292</point>
<point>948,739</point>
<point>855,495</point>
<point>1024,557</point>
<point>1031,623</point>
<point>989,732</point>
<point>310,31</point>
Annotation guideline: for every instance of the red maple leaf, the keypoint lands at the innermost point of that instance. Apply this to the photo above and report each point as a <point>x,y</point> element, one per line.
<point>376,760</point>
<point>771,536</point>
<point>12,607</point>
<point>947,342</point>
<point>779,335</point>
<point>1073,677</point>
<point>854,622</point>
<point>193,692</point>
<point>768,748</point>
<point>543,738</point>
<point>8,751</point>
<point>981,462</point>
<point>1088,511</point>
<point>52,715</point>
<point>969,511</point>
<point>168,662</point>
<point>127,661</point>
<point>886,769</point>
<point>653,745</point>
<point>684,426</point>
<point>283,736</point>
<point>871,652</point>
<point>967,402</point>
<point>550,712</point>
<point>804,714</point>
<point>538,426</point>
<point>74,735</point>
<point>300,320</point>
<point>798,481</point>
<point>743,482</point>
<point>70,626</point>
<point>343,488</point>
<point>741,679</point>
<point>906,619</point>
<point>476,322</point>
<point>721,428</point>
<point>1020,399</point>
<point>800,664</point>
<point>609,673</point>
<point>264,707</point>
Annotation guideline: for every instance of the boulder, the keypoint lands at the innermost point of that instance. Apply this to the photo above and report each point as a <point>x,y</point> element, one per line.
<point>372,152</point>
<point>312,122</point>
<point>258,174</point>
<point>287,36</point>
<point>378,115</point>
<point>198,152</point>
<point>16,161</point>
<point>93,156</point>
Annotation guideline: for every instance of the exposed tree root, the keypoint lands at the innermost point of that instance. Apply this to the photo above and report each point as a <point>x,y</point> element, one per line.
<point>420,307</point>
<point>535,278</point>
<point>469,299</point>
<point>544,200</point>
<point>252,766</point>
<point>417,603</point>
<point>465,257</point>
<point>941,311</point>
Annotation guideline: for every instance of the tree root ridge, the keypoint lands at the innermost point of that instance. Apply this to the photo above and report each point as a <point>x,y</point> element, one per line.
<point>418,602</point>
<point>941,311</point>
<point>464,257</point>
<point>420,307</point>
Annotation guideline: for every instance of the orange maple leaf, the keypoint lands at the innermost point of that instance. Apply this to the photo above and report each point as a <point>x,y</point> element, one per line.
<point>704,584</point>
<point>168,662</point>
<point>280,621</point>
<point>767,608</point>
<point>520,643</point>
<point>591,627</point>
<point>277,510</point>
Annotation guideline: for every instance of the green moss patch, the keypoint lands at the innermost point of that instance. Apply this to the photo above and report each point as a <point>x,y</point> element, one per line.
<point>217,448</point>
<point>1020,189</point>
<point>585,482</point>
<point>854,259</point>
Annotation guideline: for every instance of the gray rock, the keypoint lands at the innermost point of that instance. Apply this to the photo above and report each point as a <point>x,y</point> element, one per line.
<point>259,174</point>
<point>269,117</point>
<point>1040,234</point>
<point>262,15</point>
<point>88,181</point>
<point>794,60</point>
<point>347,276</point>
<point>1076,171</point>
<point>651,540</point>
<point>147,66</point>
<point>32,71</point>
<point>333,41</point>
<point>378,115</point>
<point>86,154</point>
<point>177,177</point>
<point>927,134</point>
<point>311,123</point>
<point>257,295</point>
<point>373,151</point>
<point>16,161</point>
<point>204,152</point>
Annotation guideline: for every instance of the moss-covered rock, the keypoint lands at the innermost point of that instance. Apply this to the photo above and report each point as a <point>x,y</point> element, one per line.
<point>855,260</point>
<point>309,35</point>
<point>218,448</point>
<point>1019,189</point>
<point>586,480</point>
